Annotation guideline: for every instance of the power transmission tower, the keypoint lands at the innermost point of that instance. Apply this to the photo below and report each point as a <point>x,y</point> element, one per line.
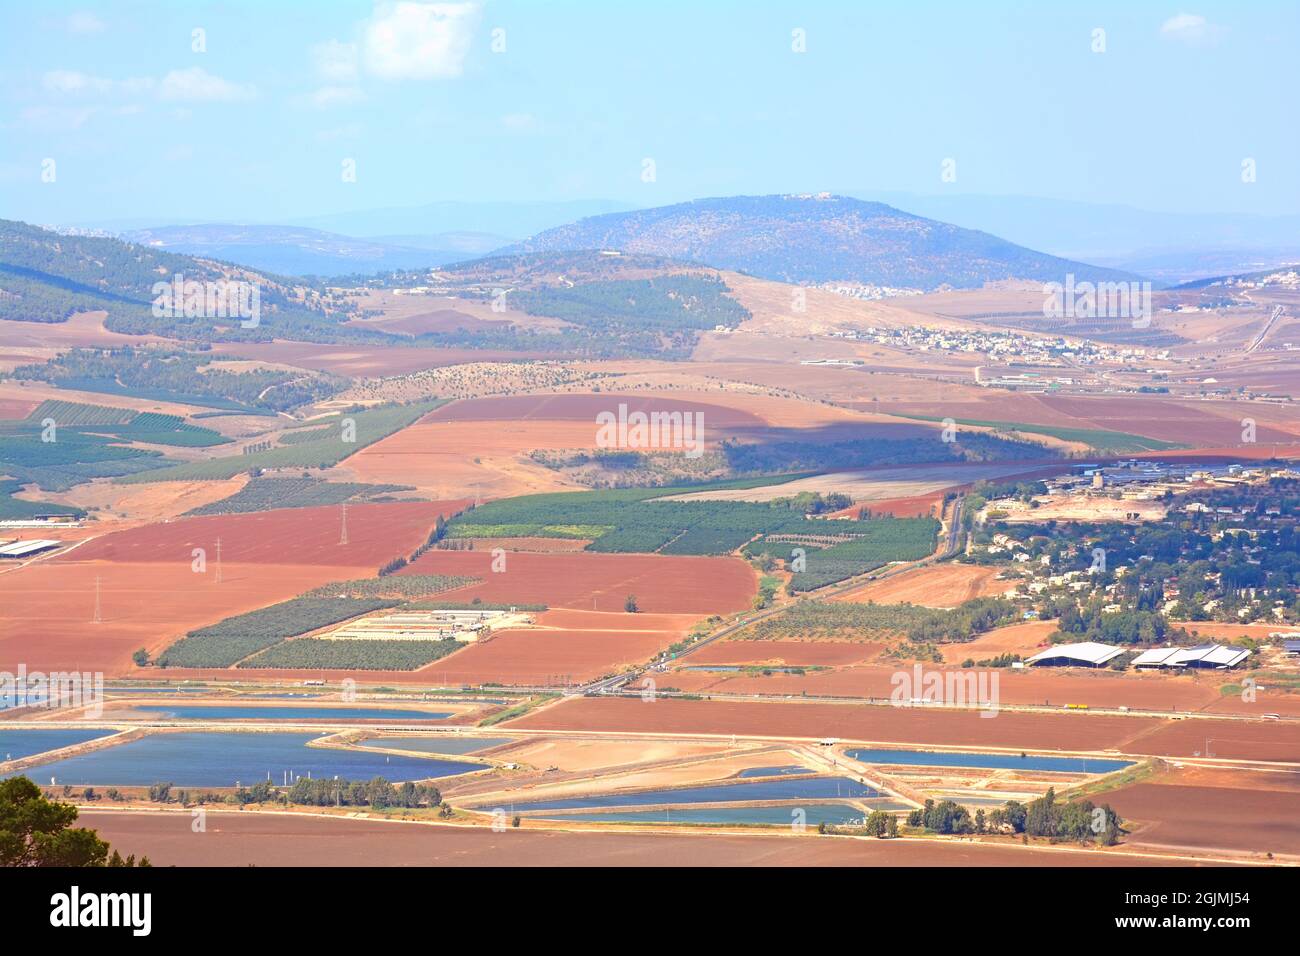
<point>218,575</point>
<point>343,537</point>
<point>99,618</point>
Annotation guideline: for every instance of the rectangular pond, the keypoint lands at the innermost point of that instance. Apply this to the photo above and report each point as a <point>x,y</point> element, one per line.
<point>776,789</point>
<point>283,712</point>
<point>839,814</point>
<point>15,744</point>
<point>928,758</point>
<point>442,744</point>
<point>197,759</point>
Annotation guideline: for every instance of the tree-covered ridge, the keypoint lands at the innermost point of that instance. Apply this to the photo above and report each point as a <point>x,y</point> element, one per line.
<point>48,277</point>
<point>181,376</point>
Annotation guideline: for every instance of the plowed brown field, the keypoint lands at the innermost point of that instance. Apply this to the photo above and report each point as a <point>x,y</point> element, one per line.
<point>589,581</point>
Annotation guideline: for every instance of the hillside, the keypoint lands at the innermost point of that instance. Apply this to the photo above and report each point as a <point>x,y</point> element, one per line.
<point>300,251</point>
<point>47,277</point>
<point>811,239</point>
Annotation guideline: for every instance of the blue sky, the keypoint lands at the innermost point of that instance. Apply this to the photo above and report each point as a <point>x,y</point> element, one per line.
<point>257,125</point>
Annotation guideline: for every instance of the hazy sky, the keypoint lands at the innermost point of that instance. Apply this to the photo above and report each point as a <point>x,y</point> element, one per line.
<point>577,95</point>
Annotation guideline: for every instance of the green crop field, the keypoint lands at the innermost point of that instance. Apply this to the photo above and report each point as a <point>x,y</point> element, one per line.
<point>229,641</point>
<point>371,426</point>
<point>313,653</point>
<point>264,494</point>
<point>840,619</point>
<point>637,520</point>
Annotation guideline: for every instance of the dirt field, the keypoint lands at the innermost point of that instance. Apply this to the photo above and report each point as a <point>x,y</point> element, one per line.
<point>874,484</point>
<point>879,724</point>
<point>145,503</point>
<point>601,582</point>
<point>1023,639</point>
<point>1030,687</point>
<point>1078,508</point>
<point>47,608</point>
<point>1238,811</point>
<point>584,755</point>
<point>789,653</point>
<point>943,585</point>
<point>451,458</point>
<point>585,408</point>
<point>1235,740</point>
<point>82,329</point>
<point>375,532</point>
<point>566,647</point>
<point>15,408</point>
<point>268,839</point>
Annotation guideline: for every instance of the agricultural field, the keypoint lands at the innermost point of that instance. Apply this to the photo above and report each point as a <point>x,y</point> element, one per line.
<point>309,653</point>
<point>639,521</point>
<point>228,642</point>
<point>366,427</point>
<point>267,494</point>
<point>843,620</point>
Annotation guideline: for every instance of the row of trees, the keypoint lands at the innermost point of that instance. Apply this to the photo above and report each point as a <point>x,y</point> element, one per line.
<point>1081,822</point>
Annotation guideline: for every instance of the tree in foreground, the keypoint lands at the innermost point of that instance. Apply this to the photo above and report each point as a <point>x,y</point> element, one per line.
<point>35,831</point>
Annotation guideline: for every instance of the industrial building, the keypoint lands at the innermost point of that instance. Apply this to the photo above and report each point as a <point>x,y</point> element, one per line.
<point>25,549</point>
<point>1085,654</point>
<point>1204,655</point>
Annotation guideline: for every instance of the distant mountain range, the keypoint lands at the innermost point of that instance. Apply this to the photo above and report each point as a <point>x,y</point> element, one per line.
<point>811,239</point>
<point>513,219</point>
<point>297,250</point>
<point>1163,246</point>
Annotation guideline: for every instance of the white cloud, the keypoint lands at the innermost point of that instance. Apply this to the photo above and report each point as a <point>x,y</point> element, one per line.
<point>330,96</point>
<point>74,83</point>
<point>83,21</point>
<point>1191,29</point>
<point>71,81</point>
<point>351,131</point>
<point>335,62</point>
<point>197,84</point>
<point>418,41</point>
<point>57,118</point>
<point>521,122</point>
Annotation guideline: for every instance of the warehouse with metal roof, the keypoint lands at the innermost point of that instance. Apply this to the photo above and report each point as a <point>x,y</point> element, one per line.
<point>1204,655</point>
<point>1085,654</point>
<point>25,549</point>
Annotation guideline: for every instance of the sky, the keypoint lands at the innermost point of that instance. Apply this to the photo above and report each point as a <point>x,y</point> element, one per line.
<point>256,111</point>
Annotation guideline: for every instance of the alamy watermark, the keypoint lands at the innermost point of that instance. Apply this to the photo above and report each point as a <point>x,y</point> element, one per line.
<point>920,687</point>
<point>651,430</point>
<point>54,690</point>
<point>1098,300</point>
<point>223,299</point>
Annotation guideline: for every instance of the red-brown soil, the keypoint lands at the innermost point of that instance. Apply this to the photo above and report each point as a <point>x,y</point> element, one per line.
<point>1240,811</point>
<point>788,653</point>
<point>883,724</point>
<point>941,585</point>
<point>589,581</point>
<point>13,408</point>
<point>271,839</point>
<point>376,533</point>
<point>1101,689</point>
<point>584,408</point>
<point>567,647</point>
<point>47,608</point>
